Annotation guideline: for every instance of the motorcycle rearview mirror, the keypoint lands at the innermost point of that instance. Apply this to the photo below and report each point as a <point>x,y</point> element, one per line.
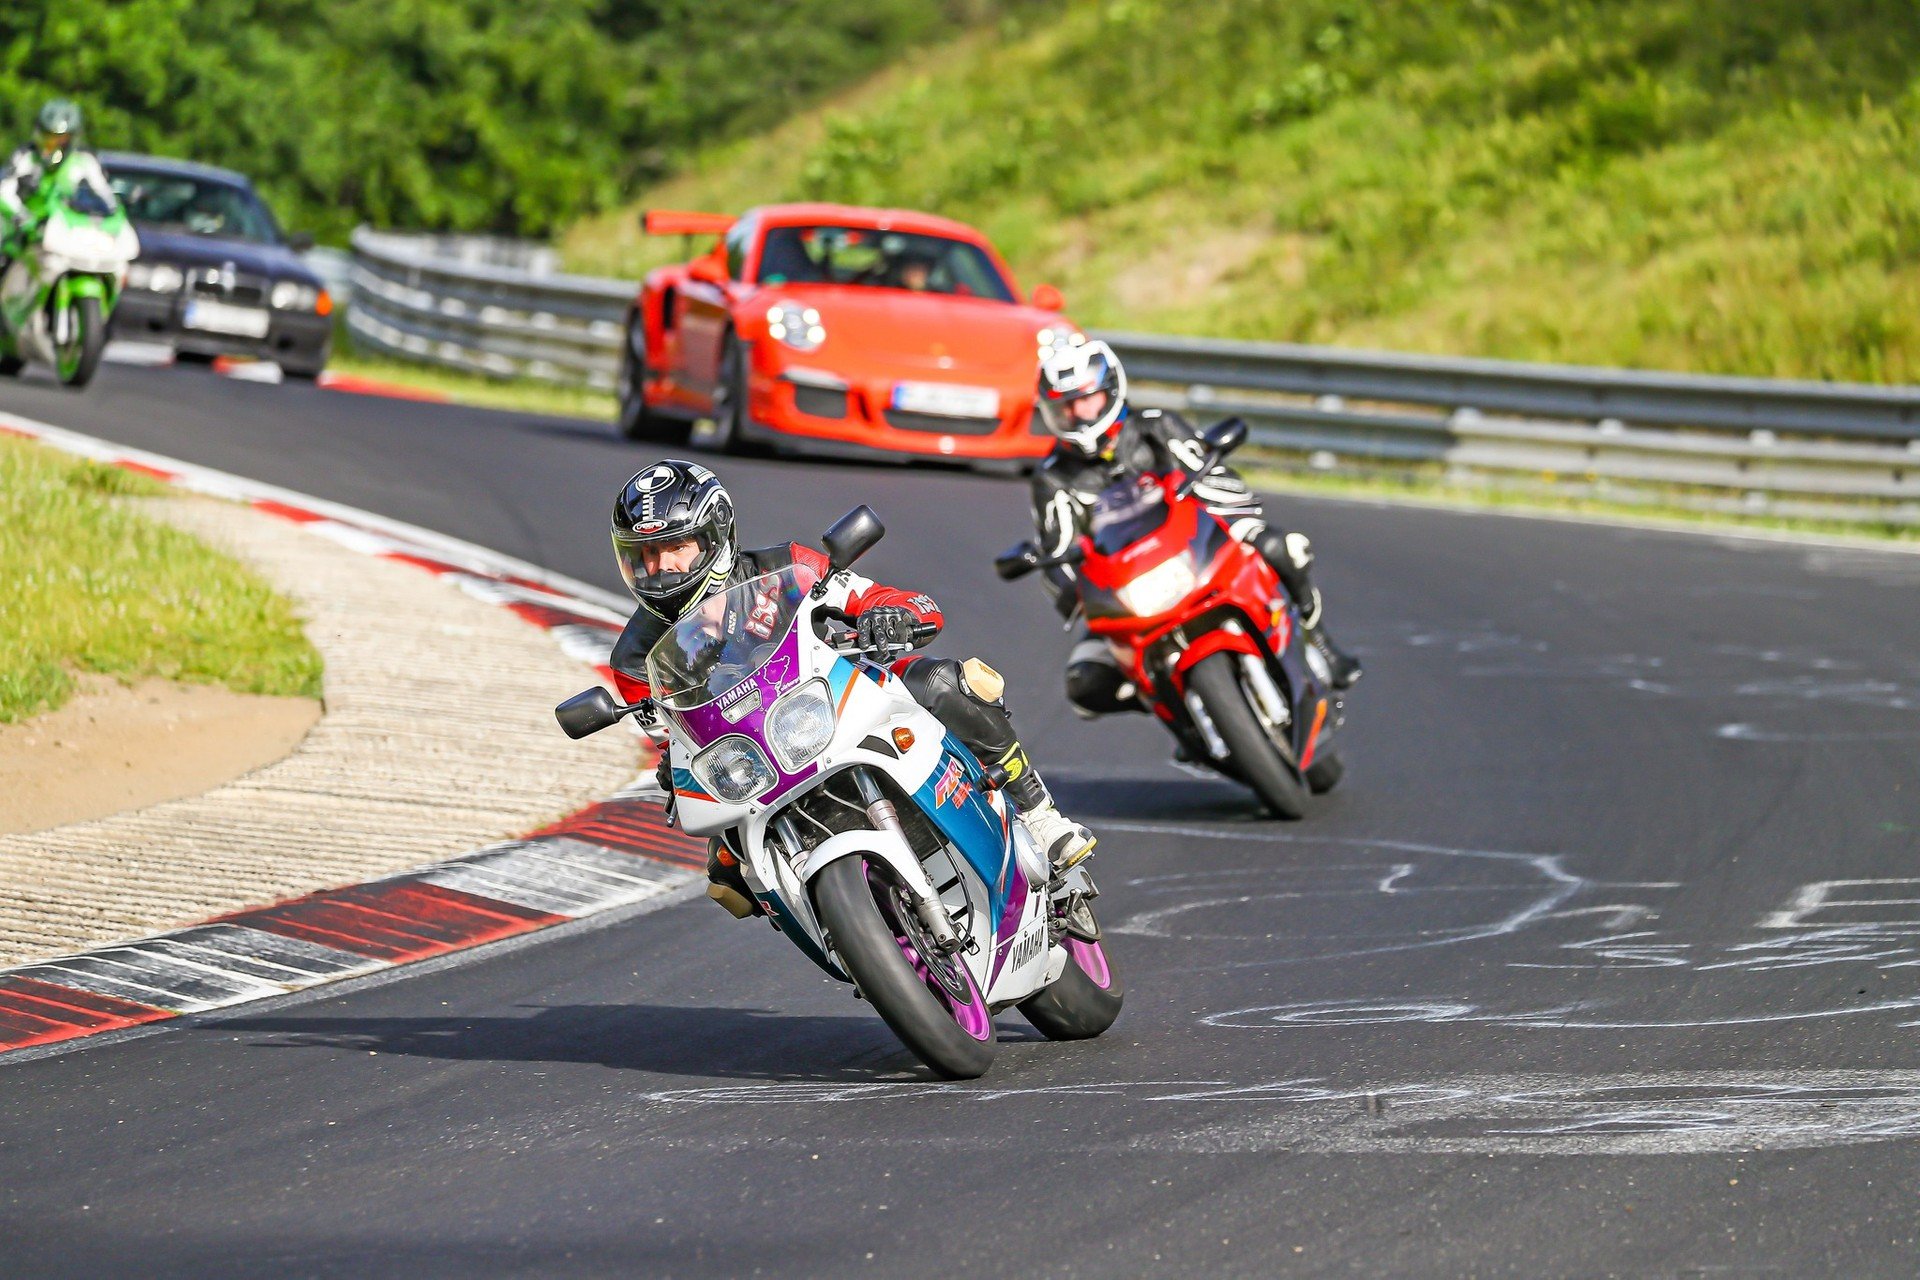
<point>590,712</point>
<point>1225,436</point>
<point>1017,561</point>
<point>852,536</point>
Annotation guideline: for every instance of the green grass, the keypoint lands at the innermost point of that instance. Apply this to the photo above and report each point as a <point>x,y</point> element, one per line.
<point>90,585</point>
<point>1716,185</point>
<point>521,395</point>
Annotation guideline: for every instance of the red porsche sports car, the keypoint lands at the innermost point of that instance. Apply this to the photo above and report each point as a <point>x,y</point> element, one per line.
<point>829,329</point>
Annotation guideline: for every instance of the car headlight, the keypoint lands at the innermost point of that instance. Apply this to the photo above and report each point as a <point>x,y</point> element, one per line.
<point>800,725</point>
<point>797,326</point>
<point>292,295</point>
<point>734,768</point>
<point>160,277</point>
<point>1159,588</point>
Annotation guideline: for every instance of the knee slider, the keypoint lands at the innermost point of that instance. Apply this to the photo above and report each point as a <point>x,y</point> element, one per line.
<point>982,681</point>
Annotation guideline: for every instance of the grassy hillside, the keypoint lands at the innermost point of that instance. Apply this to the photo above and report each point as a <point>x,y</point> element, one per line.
<point>1718,185</point>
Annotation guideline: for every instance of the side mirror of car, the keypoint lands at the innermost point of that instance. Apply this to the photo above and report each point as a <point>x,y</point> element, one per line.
<point>1224,437</point>
<point>852,536</point>
<point>589,712</point>
<point>707,270</point>
<point>300,241</point>
<point>1017,561</point>
<point>1048,298</point>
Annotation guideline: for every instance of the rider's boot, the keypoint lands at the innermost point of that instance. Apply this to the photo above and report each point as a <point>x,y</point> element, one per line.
<point>1065,842</point>
<point>1343,668</point>
<point>1291,556</point>
<point>725,884</point>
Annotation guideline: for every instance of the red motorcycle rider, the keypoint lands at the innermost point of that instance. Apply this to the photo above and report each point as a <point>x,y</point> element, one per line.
<point>1082,398</point>
<point>673,535</point>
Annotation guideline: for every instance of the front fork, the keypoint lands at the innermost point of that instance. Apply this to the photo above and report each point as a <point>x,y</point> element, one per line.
<point>926,903</point>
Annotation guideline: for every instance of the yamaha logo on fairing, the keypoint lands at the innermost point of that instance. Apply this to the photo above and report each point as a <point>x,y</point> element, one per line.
<point>1027,948</point>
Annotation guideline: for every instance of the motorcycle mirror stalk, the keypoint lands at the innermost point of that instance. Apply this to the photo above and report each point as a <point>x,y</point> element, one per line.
<point>594,709</point>
<point>1022,559</point>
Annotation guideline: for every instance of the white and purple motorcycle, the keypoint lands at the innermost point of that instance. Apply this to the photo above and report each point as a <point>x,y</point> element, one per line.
<point>872,838</point>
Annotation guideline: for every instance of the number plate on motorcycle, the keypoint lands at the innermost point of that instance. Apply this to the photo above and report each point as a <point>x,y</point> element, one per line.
<point>224,317</point>
<point>945,400</point>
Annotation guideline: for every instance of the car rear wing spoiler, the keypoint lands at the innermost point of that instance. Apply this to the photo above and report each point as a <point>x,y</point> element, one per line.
<point>670,222</point>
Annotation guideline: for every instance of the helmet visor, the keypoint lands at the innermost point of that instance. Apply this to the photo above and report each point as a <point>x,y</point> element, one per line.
<point>660,567</point>
<point>1073,415</point>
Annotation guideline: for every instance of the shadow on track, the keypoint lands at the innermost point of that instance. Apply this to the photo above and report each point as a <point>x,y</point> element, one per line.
<point>699,1041</point>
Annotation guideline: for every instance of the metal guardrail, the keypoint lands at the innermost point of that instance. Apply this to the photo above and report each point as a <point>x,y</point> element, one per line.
<point>1747,445</point>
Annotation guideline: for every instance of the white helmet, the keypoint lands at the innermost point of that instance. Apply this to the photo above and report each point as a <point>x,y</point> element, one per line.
<point>1082,393</point>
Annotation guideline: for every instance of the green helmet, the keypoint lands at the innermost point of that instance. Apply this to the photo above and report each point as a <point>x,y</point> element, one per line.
<point>55,129</point>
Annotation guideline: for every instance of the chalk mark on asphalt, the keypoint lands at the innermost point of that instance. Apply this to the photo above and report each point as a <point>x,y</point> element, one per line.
<point>1650,1113</point>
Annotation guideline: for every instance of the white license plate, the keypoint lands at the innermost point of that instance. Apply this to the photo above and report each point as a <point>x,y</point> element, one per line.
<point>946,400</point>
<point>224,317</point>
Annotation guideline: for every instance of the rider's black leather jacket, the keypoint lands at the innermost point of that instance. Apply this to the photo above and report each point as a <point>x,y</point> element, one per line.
<point>1149,441</point>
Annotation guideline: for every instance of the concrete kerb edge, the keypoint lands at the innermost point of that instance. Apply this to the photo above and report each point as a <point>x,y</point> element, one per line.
<point>609,856</point>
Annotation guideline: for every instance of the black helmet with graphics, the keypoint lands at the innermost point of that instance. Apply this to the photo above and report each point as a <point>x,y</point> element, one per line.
<point>659,512</point>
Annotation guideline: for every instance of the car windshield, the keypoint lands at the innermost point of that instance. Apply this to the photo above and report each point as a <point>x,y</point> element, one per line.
<point>197,206</point>
<point>880,260</point>
<point>723,640</point>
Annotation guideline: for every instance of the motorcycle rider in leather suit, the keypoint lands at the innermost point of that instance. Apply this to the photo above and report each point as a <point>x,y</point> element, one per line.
<point>1082,397</point>
<point>674,539</point>
<point>56,134</point>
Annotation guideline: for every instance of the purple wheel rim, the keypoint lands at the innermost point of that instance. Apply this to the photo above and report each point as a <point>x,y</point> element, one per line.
<point>969,1014</point>
<point>1092,961</point>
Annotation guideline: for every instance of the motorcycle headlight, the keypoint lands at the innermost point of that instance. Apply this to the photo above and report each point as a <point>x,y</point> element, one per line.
<point>291,295</point>
<point>800,725</point>
<point>734,768</point>
<point>797,326</point>
<point>1159,588</point>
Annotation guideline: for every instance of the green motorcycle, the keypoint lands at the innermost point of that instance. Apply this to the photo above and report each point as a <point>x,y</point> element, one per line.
<point>69,259</point>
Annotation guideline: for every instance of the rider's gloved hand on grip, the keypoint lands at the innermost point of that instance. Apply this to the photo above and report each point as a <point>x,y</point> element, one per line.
<point>886,624</point>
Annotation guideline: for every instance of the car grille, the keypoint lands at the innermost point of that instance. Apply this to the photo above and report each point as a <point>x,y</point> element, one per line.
<point>821,402</point>
<point>936,424</point>
<point>240,288</point>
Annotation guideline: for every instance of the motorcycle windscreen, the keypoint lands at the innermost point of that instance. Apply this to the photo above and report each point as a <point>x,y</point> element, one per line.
<point>1139,529</point>
<point>726,638</point>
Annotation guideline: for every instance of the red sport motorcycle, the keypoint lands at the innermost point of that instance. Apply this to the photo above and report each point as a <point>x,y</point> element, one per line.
<point>1205,631</point>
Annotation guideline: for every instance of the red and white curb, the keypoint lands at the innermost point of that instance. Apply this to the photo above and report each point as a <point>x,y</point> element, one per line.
<point>610,854</point>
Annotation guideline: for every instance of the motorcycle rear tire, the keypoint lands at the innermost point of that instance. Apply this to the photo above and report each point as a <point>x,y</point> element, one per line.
<point>92,341</point>
<point>864,941</point>
<point>1258,761</point>
<point>1074,1006</point>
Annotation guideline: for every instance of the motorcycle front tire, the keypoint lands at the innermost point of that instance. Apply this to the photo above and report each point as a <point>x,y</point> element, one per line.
<point>76,369</point>
<point>864,941</point>
<point>1259,762</point>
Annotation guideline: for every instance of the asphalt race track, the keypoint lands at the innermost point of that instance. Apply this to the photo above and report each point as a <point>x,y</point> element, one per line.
<point>1604,960</point>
